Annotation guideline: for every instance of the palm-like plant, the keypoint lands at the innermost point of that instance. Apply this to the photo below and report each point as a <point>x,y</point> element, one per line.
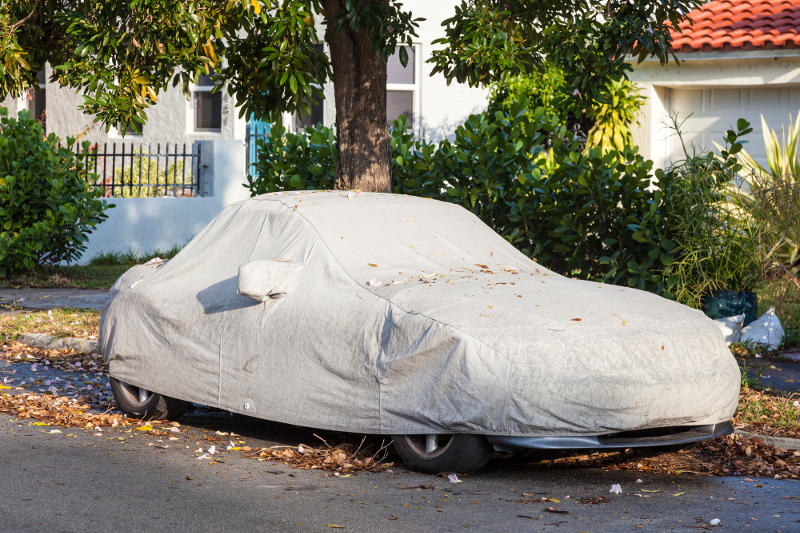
<point>770,197</point>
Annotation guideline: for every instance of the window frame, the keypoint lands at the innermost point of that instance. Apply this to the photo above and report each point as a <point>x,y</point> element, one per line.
<point>414,88</point>
<point>191,128</point>
<point>22,101</point>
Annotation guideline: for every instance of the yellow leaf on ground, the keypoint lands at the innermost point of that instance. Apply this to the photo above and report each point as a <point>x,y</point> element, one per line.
<point>4,387</point>
<point>41,424</point>
<point>335,526</point>
<point>145,428</point>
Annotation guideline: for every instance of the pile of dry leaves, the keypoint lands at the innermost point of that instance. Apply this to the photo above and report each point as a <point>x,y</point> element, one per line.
<point>342,458</point>
<point>730,455</point>
<point>58,410</point>
<point>65,359</point>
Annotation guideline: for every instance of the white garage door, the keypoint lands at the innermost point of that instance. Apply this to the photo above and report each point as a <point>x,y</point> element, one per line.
<point>714,111</point>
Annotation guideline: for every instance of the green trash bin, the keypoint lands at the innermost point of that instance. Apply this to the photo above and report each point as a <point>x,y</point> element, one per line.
<point>721,304</point>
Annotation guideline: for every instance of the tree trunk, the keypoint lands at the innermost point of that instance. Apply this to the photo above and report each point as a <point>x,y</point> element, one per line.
<point>359,83</point>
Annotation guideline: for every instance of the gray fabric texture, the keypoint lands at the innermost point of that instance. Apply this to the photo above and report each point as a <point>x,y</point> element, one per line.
<point>409,316</point>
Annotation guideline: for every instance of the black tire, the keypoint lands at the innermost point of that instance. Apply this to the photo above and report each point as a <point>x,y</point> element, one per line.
<point>141,403</point>
<point>451,453</point>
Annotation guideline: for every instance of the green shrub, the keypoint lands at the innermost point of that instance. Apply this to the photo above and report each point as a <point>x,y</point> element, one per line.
<point>46,208</point>
<point>715,249</point>
<point>770,197</point>
<point>588,215</point>
<point>290,161</point>
<point>606,123</point>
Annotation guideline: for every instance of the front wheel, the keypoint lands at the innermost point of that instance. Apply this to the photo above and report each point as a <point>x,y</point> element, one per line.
<point>443,453</point>
<point>137,402</point>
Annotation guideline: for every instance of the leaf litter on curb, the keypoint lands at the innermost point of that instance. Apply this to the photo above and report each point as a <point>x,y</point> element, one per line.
<point>343,458</point>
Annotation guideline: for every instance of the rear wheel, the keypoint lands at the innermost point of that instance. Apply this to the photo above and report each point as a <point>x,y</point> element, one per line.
<point>137,402</point>
<point>443,453</point>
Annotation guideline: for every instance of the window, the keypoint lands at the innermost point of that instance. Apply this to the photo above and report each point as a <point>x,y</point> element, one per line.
<point>310,120</point>
<point>206,106</point>
<point>133,130</point>
<point>402,86</point>
<point>37,98</point>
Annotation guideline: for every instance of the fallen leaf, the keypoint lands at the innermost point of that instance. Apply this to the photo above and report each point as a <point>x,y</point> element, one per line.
<point>144,428</point>
<point>554,510</point>
<point>335,526</point>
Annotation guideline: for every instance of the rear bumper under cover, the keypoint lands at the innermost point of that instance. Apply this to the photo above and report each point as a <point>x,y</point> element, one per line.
<point>630,439</point>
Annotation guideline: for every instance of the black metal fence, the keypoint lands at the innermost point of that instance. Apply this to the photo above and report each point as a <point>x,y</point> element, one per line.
<point>139,171</point>
<point>255,131</point>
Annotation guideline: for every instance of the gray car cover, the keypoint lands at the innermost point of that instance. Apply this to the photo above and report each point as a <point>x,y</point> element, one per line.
<point>406,315</point>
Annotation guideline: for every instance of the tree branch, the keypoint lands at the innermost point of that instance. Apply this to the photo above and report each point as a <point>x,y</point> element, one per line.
<point>19,23</point>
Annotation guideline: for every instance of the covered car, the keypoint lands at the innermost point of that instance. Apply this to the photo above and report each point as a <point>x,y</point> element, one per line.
<point>405,316</point>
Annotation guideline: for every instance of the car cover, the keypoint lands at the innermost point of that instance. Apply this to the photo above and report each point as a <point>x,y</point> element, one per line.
<point>405,316</point>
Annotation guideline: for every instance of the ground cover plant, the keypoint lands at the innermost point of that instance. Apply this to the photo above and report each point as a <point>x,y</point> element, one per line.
<point>769,412</point>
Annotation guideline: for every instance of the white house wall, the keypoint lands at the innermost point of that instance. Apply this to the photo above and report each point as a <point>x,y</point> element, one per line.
<point>710,91</point>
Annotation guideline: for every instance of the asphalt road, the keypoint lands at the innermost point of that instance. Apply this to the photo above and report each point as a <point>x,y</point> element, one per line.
<point>120,480</point>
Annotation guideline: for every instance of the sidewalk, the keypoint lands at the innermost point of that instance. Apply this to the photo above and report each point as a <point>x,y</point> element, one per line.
<point>11,299</point>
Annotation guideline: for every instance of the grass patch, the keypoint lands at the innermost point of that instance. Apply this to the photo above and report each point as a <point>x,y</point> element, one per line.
<point>60,322</point>
<point>769,413</point>
<point>100,273</point>
<point>133,257</point>
<point>68,277</point>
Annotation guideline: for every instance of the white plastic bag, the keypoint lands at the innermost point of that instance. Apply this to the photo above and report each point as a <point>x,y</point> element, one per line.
<point>731,328</point>
<point>766,330</point>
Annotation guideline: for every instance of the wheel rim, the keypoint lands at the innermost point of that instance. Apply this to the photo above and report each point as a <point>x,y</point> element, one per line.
<point>135,395</point>
<point>429,445</point>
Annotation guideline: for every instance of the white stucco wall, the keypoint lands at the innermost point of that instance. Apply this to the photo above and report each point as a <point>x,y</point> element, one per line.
<point>147,224</point>
<point>718,87</point>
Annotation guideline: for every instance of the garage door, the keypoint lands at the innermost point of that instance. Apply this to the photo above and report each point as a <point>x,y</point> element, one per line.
<point>714,111</point>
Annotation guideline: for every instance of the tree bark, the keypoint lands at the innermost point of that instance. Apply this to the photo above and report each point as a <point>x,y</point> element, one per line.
<point>359,83</point>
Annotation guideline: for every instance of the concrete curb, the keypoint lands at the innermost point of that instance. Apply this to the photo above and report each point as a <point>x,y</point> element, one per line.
<point>776,442</point>
<point>49,342</point>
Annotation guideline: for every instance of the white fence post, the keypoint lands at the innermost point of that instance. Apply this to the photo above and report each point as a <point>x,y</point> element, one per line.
<point>222,170</point>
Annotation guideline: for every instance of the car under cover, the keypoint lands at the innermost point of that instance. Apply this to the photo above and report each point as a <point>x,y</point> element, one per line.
<point>409,316</point>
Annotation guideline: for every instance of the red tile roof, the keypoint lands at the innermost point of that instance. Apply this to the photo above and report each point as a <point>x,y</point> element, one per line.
<point>740,25</point>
